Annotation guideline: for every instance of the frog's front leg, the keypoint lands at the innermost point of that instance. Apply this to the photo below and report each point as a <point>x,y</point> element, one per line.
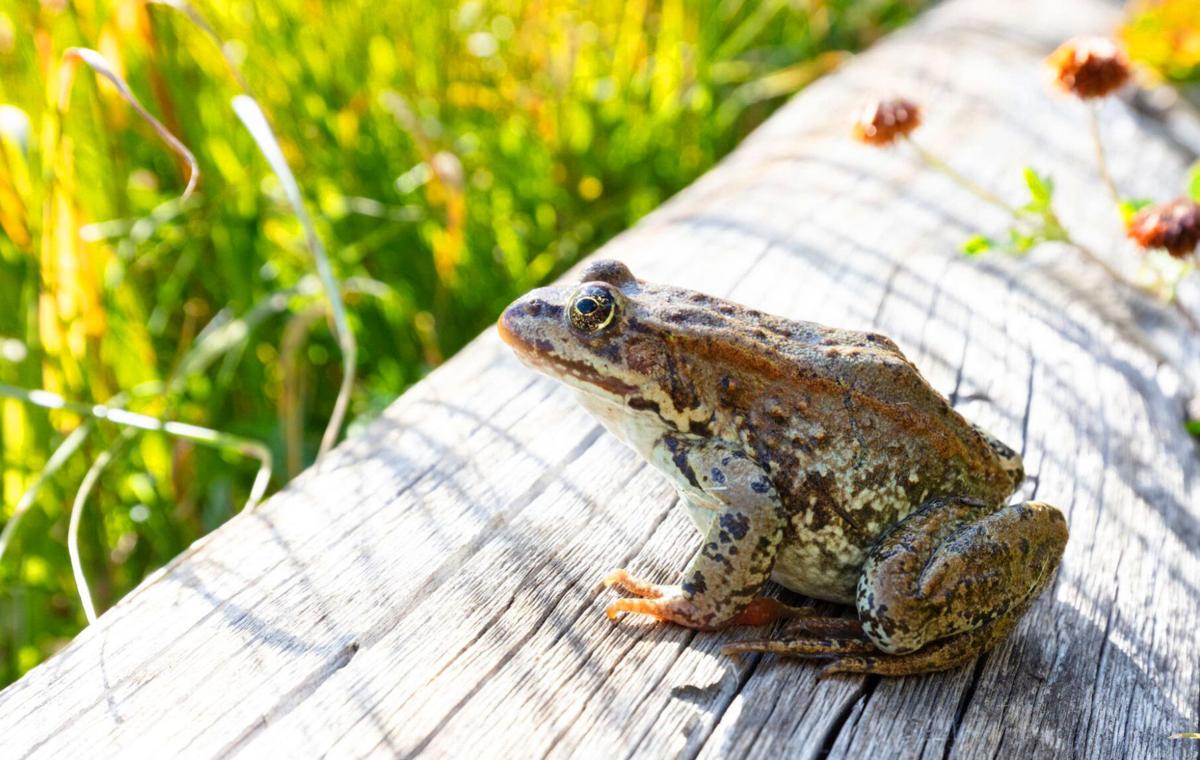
<point>720,586</point>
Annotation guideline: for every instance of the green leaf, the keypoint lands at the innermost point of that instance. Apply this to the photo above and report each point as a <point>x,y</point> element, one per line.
<point>1021,242</point>
<point>1193,182</point>
<point>977,244</point>
<point>1041,187</point>
<point>1130,206</point>
<point>1193,427</point>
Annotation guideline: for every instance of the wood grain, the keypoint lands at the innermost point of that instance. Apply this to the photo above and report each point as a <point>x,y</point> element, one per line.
<point>430,587</point>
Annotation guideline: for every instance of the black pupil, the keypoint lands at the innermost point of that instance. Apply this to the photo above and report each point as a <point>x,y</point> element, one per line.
<point>587,305</point>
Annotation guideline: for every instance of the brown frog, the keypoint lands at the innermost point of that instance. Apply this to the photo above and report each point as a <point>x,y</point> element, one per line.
<point>816,457</point>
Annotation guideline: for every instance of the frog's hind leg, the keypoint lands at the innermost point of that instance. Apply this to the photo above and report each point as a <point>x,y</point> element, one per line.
<point>956,565</point>
<point>950,581</point>
<point>826,637</point>
<point>953,652</point>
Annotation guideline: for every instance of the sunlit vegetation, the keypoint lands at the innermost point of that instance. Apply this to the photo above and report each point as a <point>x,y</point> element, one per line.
<point>451,156</point>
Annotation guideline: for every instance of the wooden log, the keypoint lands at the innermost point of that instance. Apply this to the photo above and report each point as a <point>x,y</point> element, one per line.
<point>430,587</point>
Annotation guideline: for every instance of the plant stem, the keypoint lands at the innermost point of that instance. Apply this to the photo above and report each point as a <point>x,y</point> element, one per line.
<point>982,193</point>
<point>1050,228</point>
<point>1101,161</point>
<point>89,482</point>
<point>1114,273</point>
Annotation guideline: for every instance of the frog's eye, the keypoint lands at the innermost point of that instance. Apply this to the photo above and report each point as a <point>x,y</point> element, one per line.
<point>592,309</point>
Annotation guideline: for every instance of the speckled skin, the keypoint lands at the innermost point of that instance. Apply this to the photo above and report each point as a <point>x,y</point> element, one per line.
<point>814,456</point>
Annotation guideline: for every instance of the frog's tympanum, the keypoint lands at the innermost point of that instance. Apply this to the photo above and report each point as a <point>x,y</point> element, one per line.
<point>816,457</point>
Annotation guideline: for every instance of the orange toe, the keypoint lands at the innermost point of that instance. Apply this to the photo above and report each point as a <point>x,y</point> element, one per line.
<point>626,582</point>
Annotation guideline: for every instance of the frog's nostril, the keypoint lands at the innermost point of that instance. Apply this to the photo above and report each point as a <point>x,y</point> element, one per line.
<point>533,308</point>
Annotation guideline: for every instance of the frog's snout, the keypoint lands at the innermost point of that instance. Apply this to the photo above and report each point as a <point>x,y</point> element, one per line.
<point>509,324</point>
<point>525,319</point>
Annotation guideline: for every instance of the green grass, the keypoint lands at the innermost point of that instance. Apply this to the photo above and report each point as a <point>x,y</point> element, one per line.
<point>451,156</point>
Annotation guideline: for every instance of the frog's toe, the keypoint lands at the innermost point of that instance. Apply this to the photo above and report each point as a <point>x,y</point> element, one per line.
<point>833,627</point>
<point>805,647</point>
<point>670,609</point>
<point>629,584</point>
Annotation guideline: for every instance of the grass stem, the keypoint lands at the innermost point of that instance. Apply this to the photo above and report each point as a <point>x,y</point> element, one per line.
<point>936,163</point>
<point>1101,159</point>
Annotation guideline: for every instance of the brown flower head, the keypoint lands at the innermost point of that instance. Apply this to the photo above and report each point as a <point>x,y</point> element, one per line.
<point>882,122</point>
<point>1174,225</point>
<point>1089,67</point>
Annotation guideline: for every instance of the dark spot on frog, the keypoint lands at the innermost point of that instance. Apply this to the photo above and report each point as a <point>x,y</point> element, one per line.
<point>717,475</point>
<point>696,584</point>
<point>711,550</point>
<point>700,427</point>
<point>643,405</point>
<point>681,391</point>
<point>760,485</point>
<point>679,457</point>
<point>549,311</point>
<point>736,523</point>
<point>609,350</point>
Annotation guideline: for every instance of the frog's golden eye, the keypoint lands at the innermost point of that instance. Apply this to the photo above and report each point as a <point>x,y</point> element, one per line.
<point>592,309</point>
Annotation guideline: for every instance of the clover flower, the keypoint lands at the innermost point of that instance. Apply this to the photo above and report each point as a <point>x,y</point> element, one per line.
<point>880,123</point>
<point>1089,67</point>
<point>1174,225</point>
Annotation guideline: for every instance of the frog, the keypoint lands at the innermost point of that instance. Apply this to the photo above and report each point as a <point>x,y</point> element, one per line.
<point>815,457</point>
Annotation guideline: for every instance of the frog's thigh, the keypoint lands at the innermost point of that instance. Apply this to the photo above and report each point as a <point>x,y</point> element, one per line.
<point>954,566</point>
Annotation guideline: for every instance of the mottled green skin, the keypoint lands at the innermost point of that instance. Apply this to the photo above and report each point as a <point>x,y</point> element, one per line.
<point>800,450</point>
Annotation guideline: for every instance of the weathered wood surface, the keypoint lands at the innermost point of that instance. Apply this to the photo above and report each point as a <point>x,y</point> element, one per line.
<point>430,587</point>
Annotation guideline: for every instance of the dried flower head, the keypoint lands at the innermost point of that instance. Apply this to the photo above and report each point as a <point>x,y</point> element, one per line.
<point>1089,67</point>
<point>1174,225</point>
<point>882,122</point>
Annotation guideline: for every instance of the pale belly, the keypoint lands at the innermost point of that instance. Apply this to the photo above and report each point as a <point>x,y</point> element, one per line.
<point>816,564</point>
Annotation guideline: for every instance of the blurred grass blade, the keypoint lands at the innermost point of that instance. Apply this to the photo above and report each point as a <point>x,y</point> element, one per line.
<point>85,488</point>
<point>99,65</point>
<point>256,123</point>
<point>125,418</point>
<point>60,456</point>
<point>198,19</point>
